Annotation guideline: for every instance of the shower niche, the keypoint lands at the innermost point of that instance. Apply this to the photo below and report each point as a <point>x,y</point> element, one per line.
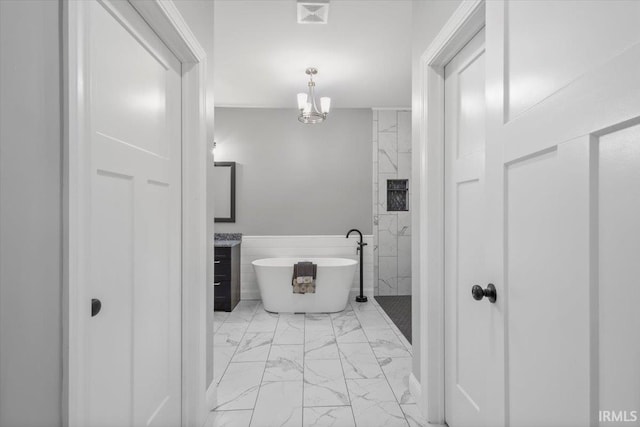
<point>397,195</point>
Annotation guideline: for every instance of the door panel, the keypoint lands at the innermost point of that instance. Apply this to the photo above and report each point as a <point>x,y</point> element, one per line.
<point>471,105</point>
<point>155,360</point>
<point>470,340</point>
<point>618,272</point>
<point>466,347</point>
<point>552,45</point>
<point>110,345</point>
<point>134,366</point>
<point>547,286</point>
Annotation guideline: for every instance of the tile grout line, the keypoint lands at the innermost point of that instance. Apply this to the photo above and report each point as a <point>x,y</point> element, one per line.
<point>397,214</point>
<point>236,349</point>
<point>386,317</point>
<point>304,358</point>
<point>393,327</point>
<point>344,376</point>
<point>376,286</point>
<point>381,312</point>
<point>253,411</point>
<point>387,380</point>
<point>237,346</point>
<point>224,371</point>
<point>377,309</point>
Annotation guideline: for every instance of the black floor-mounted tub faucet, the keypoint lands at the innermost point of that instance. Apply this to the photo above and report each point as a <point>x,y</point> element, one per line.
<point>361,245</point>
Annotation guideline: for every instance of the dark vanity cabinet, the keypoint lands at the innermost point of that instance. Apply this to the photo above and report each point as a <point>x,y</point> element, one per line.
<point>226,284</point>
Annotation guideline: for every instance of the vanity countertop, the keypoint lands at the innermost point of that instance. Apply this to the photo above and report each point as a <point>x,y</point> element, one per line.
<point>227,240</point>
<point>226,243</point>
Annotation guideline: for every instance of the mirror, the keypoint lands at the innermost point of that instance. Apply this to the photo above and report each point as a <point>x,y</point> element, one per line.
<point>224,191</point>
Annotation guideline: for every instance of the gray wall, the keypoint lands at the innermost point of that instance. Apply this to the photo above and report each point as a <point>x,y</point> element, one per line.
<point>428,19</point>
<point>30,215</point>
<point>297,179</point>
<point>30,205</point>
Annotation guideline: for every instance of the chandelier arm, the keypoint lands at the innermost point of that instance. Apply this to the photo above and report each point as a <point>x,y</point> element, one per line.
<point>314,107</point>
<point>313,115</point>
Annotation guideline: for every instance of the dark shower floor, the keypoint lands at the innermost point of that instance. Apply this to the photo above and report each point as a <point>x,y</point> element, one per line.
<point>398,308</point>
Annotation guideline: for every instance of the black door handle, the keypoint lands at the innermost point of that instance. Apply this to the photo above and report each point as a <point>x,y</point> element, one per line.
<point>479,293</point>
<point>96,306</point>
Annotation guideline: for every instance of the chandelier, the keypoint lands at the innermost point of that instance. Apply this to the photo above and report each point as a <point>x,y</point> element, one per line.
<point>309,112</point>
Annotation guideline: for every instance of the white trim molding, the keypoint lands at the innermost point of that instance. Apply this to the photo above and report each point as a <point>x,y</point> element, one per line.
<point>165,20</point>
<point>212,396</point>
<point>415,389</point>
<point>465,22</point>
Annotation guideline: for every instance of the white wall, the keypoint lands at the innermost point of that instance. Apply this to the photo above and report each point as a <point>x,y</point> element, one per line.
<point>30,215</point>
<point>428,18</point>
<point>297,179</point>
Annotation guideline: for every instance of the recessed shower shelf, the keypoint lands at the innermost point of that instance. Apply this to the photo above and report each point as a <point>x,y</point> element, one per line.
<point>397,195</point>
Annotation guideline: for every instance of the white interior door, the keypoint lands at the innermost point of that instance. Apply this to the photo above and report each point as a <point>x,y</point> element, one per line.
<point>563,189</point>
<point>466,320</point>
<point>133,230</point>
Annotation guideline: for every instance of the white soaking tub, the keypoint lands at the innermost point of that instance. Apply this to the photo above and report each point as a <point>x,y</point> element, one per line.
<point>333,283</point>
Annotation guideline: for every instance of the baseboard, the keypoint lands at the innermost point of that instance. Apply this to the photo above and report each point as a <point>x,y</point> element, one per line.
<point>416,390</point>
<point>249,295</point>
<point>212,396</point>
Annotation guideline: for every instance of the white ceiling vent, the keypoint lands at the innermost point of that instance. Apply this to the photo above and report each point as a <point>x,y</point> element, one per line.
<point>313,11</point>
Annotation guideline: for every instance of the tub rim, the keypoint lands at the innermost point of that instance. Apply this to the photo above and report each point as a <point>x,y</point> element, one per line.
<point>290,261</point>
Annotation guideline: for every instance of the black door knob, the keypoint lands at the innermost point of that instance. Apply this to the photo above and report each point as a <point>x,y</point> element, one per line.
<point>479,293</point>
<point>96,306</point>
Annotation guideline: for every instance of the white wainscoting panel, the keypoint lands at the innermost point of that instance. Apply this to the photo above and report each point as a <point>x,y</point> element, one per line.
<point>257,247</point>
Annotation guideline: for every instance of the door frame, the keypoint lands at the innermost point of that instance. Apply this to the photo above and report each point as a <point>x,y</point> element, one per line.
<point>466,21</point>
<point>165,20</point>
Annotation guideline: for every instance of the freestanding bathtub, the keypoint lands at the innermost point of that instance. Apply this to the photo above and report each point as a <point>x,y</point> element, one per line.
<point>333,283</point>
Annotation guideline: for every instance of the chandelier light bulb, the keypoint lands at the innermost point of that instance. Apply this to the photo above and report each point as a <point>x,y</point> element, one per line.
<point>302,101</point>
<point>325,104</point>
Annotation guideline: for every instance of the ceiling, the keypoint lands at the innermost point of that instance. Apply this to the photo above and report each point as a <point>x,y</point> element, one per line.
<point>363,53</point>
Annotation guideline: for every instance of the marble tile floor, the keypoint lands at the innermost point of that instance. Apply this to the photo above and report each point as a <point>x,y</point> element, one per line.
<point>348,369</point>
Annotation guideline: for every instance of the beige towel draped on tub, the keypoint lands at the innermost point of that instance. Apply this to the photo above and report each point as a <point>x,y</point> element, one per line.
<point>304,278</point>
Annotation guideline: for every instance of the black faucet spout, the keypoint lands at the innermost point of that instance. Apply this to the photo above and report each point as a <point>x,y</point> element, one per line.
<point>355,230</point>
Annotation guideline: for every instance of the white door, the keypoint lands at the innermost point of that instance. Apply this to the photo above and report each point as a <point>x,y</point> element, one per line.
<point>563,195</point>
<point>467,342</point>
<point>133,370</point>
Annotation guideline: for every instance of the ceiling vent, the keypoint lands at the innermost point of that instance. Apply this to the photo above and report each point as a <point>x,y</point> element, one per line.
<point>313,11</point>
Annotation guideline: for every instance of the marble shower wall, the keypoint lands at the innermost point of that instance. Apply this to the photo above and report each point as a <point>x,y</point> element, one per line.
<point>391,230</point>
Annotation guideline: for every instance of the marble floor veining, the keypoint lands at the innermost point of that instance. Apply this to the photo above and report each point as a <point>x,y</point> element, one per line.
<point>347,369</point>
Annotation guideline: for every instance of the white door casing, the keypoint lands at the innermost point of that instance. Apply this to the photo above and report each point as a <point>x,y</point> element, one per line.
<point>150,170</point>
<point>467,340</point>
<point>463,25</point>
